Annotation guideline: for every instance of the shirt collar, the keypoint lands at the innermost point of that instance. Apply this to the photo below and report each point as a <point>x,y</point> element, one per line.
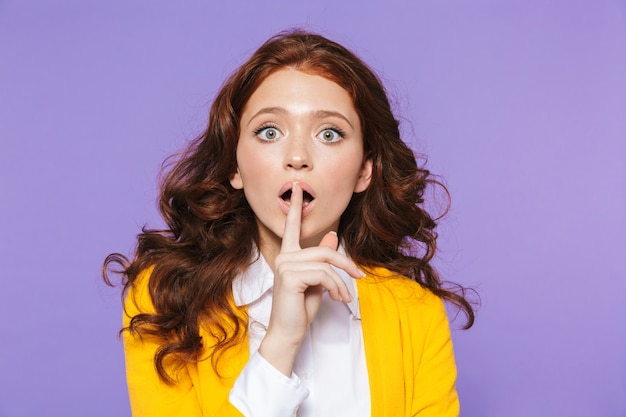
<point>258,279</point>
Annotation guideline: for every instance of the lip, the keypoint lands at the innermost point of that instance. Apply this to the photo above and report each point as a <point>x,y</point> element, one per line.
<point>284,206</point>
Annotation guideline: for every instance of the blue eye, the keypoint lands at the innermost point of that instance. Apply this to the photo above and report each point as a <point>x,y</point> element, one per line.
<point>268,133</point>
<point>330,135</point>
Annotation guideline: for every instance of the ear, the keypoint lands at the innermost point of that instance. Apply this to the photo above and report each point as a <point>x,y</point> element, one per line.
<point>365,177</point>
<point>236,180</point>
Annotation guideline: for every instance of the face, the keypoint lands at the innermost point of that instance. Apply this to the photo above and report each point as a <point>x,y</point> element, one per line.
<point>303,128</point>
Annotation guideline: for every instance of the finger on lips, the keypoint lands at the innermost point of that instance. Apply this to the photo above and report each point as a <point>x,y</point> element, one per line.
<point>291,237</point>
<point>326,252</point>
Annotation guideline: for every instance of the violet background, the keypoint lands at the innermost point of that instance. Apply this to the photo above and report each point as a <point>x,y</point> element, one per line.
<point>520,106</point>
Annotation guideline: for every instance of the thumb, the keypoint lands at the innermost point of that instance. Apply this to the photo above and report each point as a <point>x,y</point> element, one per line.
<point>330,240</point>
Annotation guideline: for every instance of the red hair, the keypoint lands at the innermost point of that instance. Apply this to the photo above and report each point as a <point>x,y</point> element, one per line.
<point>211,231</point>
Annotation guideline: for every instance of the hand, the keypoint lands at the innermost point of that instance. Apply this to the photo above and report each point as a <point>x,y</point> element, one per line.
<point>300,277</point>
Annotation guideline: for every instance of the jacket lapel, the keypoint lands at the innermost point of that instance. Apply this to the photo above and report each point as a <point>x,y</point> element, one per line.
<point>214,385</point>
<point>383,349</point>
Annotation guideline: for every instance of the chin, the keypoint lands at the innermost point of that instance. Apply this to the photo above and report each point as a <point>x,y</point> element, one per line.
<point>310,240</point>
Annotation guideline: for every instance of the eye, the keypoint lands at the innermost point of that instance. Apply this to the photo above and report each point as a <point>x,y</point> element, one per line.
<point>268,133</point>
<point>331,135</point>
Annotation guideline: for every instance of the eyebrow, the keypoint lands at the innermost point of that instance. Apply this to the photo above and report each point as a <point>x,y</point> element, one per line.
<point>318,114</point>
<point>322,114</point>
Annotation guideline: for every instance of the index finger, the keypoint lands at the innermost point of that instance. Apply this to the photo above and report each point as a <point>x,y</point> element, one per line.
<point>291,235</point>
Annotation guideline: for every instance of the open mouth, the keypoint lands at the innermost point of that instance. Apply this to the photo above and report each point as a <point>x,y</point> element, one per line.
<point>306,197</point>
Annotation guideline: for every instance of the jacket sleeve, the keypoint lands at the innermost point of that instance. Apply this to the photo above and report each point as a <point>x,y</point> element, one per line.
<point>434,385</point>
<point>149,396</point>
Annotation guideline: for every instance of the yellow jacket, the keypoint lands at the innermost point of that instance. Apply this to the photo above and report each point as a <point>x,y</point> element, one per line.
<point>408,351</point>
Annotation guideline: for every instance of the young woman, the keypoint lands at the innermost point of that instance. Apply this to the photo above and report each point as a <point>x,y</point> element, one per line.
<point>294,276</point>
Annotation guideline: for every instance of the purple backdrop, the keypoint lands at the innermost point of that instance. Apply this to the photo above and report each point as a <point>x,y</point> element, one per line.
<point>520,105</point>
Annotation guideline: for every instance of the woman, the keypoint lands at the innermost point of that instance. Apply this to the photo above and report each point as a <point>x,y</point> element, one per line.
<point>294,276</point>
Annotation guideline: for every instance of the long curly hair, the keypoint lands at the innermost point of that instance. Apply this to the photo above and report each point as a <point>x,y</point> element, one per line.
<point>211,231</point>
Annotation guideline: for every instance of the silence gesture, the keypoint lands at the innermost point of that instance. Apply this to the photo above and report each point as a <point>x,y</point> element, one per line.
<point>300,277</point>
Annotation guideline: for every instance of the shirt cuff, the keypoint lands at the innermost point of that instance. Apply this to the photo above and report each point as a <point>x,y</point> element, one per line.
<point>263,391</point>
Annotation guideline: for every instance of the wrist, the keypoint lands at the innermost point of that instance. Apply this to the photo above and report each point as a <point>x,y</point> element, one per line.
<point>279,352</point>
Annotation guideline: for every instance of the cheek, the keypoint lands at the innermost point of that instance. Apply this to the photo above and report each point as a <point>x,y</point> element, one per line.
<point>250,156</point>
<point>245,163</point>
<point>349,167</point>
<point>255,174</point>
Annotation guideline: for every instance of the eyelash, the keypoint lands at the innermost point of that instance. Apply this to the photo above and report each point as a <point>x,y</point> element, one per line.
<point>340,132</point>
<point>261,128</point>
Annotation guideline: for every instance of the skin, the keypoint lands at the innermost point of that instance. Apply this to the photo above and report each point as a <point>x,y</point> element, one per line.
<point>300,131</point>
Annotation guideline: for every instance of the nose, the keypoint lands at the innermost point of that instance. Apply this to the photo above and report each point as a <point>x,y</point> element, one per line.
<point>298,155</point>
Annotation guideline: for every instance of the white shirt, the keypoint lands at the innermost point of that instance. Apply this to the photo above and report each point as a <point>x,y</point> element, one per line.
<point>330,373</point>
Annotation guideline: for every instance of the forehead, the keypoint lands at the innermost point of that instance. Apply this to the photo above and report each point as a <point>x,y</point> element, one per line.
<point>299,91</point>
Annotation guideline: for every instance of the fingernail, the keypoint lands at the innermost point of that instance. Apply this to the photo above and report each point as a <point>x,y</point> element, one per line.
<point>333,232</point>
<point>363,274</point>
